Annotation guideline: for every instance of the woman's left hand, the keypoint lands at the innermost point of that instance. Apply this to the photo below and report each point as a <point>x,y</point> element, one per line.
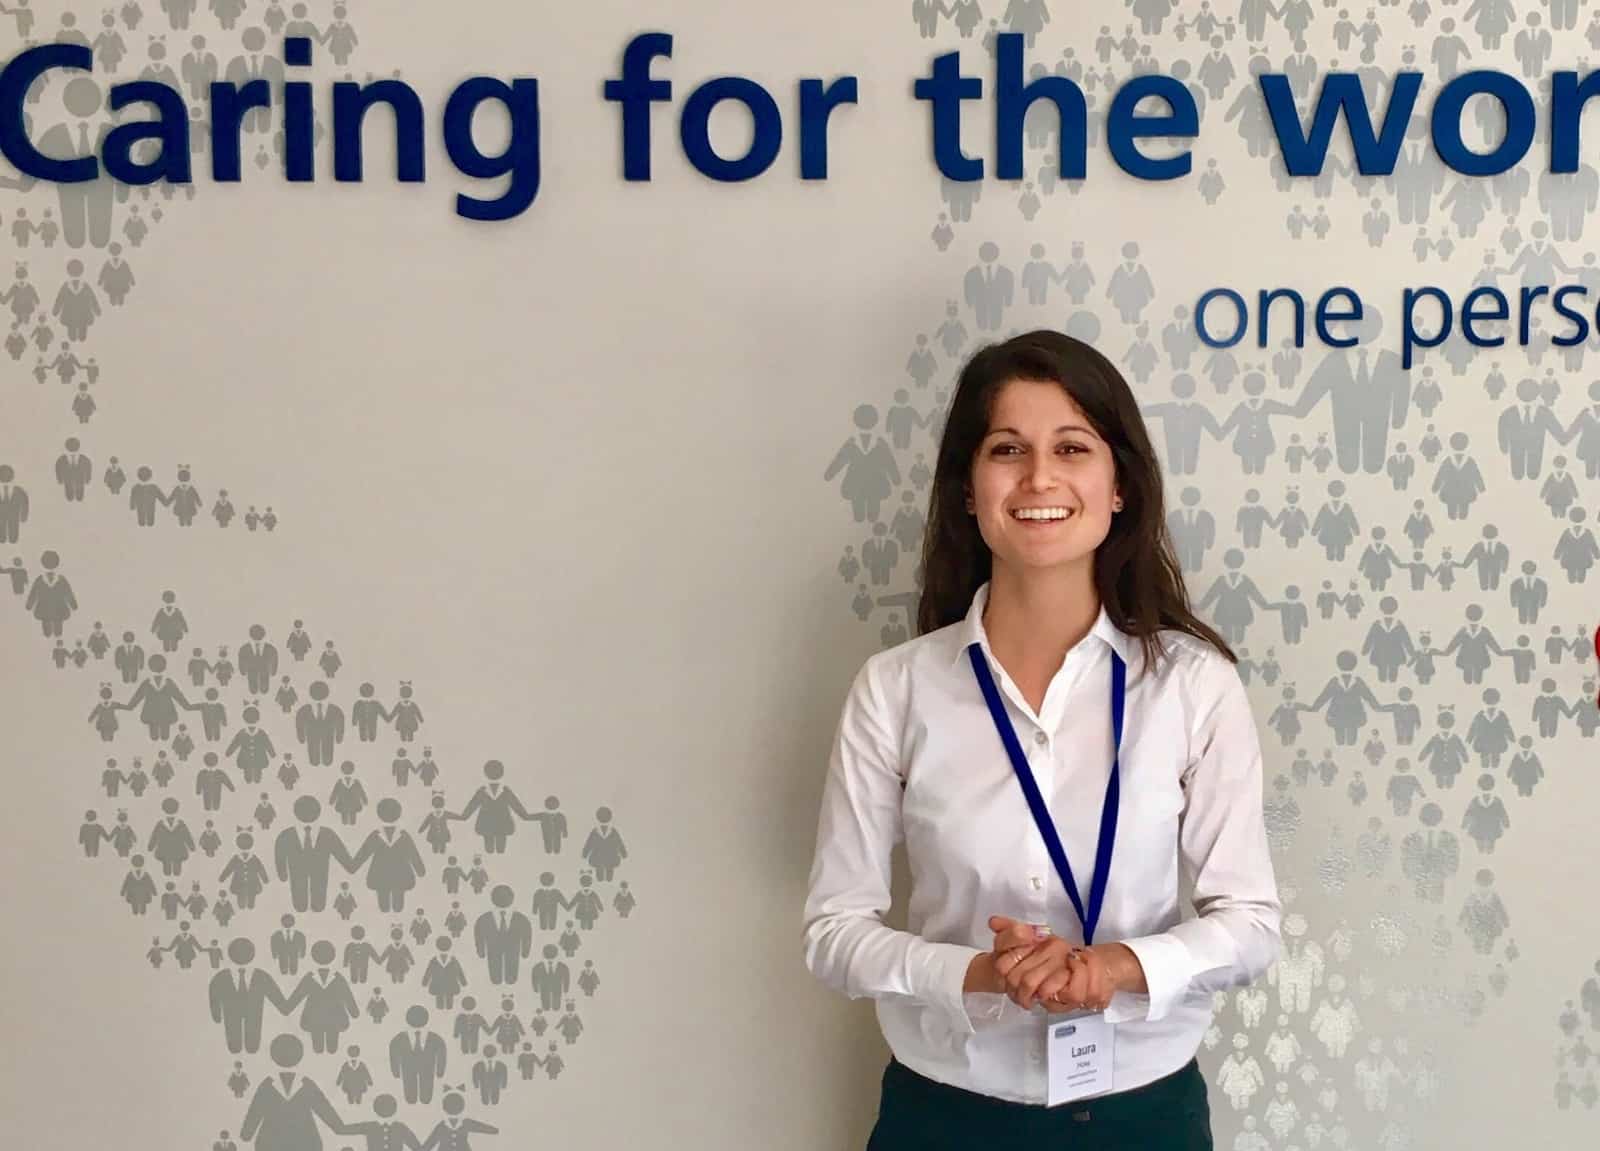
<point>1062,976</point>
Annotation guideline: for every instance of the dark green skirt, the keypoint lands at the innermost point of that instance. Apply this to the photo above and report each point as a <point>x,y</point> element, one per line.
<point>918,1114</point>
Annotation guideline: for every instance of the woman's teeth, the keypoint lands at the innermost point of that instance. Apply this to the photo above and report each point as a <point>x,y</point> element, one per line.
<point>1040,513</point>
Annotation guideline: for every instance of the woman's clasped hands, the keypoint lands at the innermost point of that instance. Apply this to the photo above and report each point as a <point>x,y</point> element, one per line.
<point>1031,966</point>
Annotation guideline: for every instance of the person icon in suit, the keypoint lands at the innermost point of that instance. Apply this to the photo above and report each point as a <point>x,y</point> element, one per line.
<point>239,995</point>
<point>417,1057</point>
<point>302,855</point>
<point>503,936</point>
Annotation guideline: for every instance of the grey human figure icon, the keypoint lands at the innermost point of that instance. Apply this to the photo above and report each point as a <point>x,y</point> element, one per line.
<point>870,471</point>
<point>285,1111</point>
<point>397,959</point>
<point>1252,518</point>
<point>298,643</point>
<point>330,1006</point>
<point>222,508</point>
<point>302,855</point>
<point>1492,557</point>
<point>144,496</point>
<point>138,886</point>
<point>77,307</point>
<point>1344,696</point>
<point>288,946</point>
<point>358,955</point>
<point>989,288</point>
<point>319,726</point>
<point>395,863</point>
<point>490,1076</point>
<point>444,977</point>
<point>1388,645</point>
<point>1472,645</point>
<point>91,835</point>
<point>386,1133</point>
<point>251,747</point>
<point>104,717</point>
<point>1490,733</point>
<point>169,624</point>
<point>406,715</point>
<point>1130,288</point>
<point>366,713</point>
<point>13,505</point>
<point>1336,526</point>
<point>604,850</point>
<point>1485,819</point>
<point>1445,753</point>
<point>548,902</point>
<point>348,797</point>
<point>123,838</point>
<point>239,995</point>
<point>1549,709</point>
<point>1183,419</point>
<point>86,208</point>
<point>50,598</point>
<point>258,661</point>
<point>454,1132</point>
<point>1370,393</point>
<point>1233,593</point>
<point>470,1026</point>
<point>551,979</point>
<point>1577,550</point>
<point>158,698</point>
<point>354,1078</point>
<point>435,826</point>
<point>503,936</point>
<point>417,1057</point>
<point>253,64</point>
<point>1522,429</point>
<point>170,839</point>
<point>1253,442</point>
<point>508,1030</point>
<point>495,806</point>
<point>18,571</point>
<point>1483,915</point>
<point>198,668</point>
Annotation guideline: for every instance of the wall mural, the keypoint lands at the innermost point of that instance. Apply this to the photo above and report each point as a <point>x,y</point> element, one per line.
<point>386,945</point>
<point>1418,669</point>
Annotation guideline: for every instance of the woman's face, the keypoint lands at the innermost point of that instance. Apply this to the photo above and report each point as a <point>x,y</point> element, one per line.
<point>1042,454</point>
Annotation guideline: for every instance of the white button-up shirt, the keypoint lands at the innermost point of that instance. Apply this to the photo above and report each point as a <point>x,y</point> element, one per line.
<point>917,757</point>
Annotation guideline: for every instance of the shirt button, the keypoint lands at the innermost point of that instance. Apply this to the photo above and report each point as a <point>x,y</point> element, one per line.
<point>1041,738</point>
<point>1035,882</point>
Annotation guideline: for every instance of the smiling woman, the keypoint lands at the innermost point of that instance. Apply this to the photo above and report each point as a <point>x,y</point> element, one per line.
<point>1057,644</point>
<point>234,110</point>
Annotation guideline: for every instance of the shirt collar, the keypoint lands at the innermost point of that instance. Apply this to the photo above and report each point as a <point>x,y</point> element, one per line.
<point>970,630</point>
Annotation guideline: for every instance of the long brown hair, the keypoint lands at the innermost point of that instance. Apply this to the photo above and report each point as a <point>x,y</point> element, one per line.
<point>1136,572</point>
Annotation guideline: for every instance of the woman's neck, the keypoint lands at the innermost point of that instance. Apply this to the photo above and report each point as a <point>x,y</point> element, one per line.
<point>1033,619</point>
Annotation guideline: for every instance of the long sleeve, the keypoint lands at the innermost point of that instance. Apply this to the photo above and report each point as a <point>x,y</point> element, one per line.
<point>1223,849</point>
<point>847,945</point>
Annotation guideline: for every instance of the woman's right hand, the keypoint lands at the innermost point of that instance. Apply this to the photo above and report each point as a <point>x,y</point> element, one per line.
<point>1009,935</point>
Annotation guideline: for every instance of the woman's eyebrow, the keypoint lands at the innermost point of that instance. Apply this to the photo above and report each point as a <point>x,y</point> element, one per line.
<point>1057,432</point>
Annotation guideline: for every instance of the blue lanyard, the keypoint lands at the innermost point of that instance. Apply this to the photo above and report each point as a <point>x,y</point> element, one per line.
<point>1041,814</point>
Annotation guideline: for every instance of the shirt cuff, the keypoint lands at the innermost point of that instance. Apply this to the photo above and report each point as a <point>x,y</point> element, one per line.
<point>950,962</point>
<point>1167,964</point>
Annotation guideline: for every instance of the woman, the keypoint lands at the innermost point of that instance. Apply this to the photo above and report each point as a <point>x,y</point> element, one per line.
<point>1057,651</point>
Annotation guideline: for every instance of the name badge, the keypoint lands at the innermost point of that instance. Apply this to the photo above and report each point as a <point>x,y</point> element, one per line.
<point>1080,1049</point>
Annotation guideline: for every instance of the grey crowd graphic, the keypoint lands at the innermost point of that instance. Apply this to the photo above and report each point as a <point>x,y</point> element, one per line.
<point>303,859</point>
<point>1420,681</point>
